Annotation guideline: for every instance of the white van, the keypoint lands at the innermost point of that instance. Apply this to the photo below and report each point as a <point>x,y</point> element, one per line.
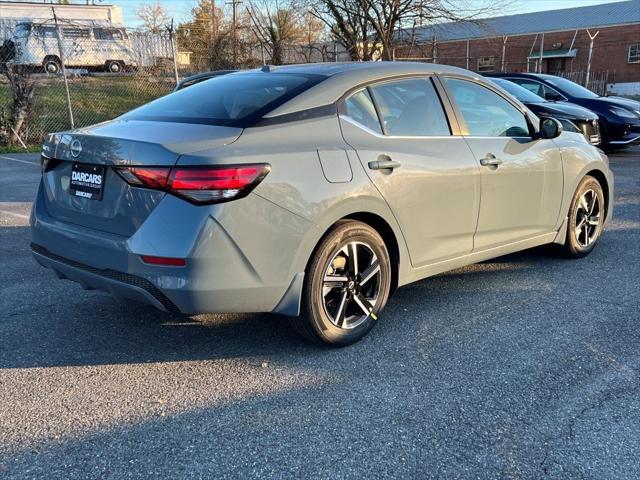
<point>84,46</point>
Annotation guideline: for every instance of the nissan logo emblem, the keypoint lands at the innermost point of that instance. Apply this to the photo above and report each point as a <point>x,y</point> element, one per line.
<point>76,148</point>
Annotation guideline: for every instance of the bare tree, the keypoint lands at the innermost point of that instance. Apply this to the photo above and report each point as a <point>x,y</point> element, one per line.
<point>21,86</point>
<point>276,24</point>
<point>153,15</point>
<point>367,27</point>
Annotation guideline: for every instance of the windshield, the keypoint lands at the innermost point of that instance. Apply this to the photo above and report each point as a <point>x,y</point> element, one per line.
<point>517,91</point>
<point>570,88</point>
<point>231,100</point>
<point>22,30</point>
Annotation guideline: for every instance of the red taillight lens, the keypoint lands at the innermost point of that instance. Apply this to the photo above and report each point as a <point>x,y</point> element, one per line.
<point>170,262</point>
<point>200,185</point>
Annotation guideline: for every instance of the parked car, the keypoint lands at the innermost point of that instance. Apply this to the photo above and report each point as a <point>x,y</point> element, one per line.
<point>573,117</point>
<point>200,77</point>
<point>619,117</point>
<point>84,46</point>
<point>312,191</point>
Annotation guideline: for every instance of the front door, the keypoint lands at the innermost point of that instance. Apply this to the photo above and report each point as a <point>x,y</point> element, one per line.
<point>428,177</point>
<point>521,178</point>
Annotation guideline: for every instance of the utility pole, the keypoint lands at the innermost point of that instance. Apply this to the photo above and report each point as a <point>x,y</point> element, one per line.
<point>214,21</point>
<point>234,27</point>
<point>591,39</point>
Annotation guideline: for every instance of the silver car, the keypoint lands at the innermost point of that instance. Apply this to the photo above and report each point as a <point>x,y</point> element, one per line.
<point>312,191</point>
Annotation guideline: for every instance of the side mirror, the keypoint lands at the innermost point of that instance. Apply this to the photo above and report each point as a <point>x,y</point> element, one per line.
<point>553,96</point>
<point>550,128</point>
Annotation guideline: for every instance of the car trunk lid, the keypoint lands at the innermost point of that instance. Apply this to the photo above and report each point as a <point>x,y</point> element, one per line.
<point>119,208</point>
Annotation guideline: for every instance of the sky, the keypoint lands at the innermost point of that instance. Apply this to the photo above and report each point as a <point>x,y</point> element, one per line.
<point>180,9</point>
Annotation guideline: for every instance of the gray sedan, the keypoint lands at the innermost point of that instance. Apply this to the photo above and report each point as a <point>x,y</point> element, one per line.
<point>312,191</point>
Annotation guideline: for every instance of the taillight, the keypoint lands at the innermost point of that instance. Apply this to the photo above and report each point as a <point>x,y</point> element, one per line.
<point>201,185</point>
<point>167,261</point>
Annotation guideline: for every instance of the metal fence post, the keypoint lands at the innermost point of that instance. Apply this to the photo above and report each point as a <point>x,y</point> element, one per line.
<point>173,53</point>
<point>591,39</point>
<point>63,68</point>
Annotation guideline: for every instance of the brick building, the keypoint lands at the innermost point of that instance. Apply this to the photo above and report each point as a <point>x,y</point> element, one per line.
<point>555,41</point>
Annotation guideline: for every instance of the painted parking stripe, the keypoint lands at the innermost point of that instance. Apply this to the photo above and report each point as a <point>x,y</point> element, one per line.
<point>13,214</point>
<point>20,161</point>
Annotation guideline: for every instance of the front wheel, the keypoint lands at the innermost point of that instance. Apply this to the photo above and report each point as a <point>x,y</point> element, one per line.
<point>586,218</point>
<point>347,284</point>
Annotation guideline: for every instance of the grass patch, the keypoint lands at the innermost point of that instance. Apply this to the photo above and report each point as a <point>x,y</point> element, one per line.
<point>93,99</point>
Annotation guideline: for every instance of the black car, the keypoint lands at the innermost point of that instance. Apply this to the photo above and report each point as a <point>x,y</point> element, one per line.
<point>619,117</point>
<point>574,118</point>
<point>200,77</point>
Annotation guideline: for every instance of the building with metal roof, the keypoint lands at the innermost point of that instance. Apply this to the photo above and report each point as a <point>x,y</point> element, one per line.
<point>593,16</point>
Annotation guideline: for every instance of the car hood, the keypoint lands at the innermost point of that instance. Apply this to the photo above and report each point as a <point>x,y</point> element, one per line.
<point>563,110</point>
<point>137,142</point>
<point>622,102</point>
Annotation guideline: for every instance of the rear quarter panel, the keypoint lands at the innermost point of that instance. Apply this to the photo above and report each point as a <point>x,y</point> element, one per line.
<point>298,184</point>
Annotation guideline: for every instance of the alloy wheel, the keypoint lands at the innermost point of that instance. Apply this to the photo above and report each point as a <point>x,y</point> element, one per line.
<point>351,285</point>
<point>588,218</point>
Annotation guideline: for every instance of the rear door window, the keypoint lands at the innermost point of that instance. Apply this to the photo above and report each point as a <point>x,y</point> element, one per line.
<point>485,112</point>
<point>359,108</point>
<point>411,108</point>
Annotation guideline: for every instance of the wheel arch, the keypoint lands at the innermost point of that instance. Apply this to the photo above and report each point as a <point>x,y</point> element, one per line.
<point>604,183</point>
<point>385,230</point>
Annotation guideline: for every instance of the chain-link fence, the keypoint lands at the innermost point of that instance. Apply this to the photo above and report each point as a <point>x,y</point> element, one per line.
<point>57,74</point>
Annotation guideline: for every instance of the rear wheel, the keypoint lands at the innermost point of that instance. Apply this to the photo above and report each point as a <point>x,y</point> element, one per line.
<point>52,65</point>
<point>115,66</point>
<point>586,218</point>
<point>347,284</point>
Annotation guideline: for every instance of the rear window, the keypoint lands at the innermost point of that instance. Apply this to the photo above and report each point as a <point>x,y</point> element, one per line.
<point>231,100</point>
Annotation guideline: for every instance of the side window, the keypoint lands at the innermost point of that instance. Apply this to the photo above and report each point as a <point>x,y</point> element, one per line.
<point>360,109</point>
<point>533,87</point>
<point>486,113</point>
<point>411,108</point>
<point>73,32</point>
<point>107,34</point>
<point>45,32</point>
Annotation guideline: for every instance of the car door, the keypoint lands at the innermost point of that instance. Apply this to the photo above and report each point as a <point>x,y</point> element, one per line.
<point>428,177</point>
<point>521,177</point>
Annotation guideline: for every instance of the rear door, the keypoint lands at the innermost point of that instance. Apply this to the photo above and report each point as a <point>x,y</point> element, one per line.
<point>521,177</point>
<point>428,177</point>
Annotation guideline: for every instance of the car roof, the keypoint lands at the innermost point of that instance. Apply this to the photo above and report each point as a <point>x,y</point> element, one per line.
<point>343,76</point>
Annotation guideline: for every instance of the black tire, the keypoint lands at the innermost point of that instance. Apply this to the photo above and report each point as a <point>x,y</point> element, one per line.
<point>52,65</point>
<point>585,222</point>
<point>114,66</point>
<point>316,323</point>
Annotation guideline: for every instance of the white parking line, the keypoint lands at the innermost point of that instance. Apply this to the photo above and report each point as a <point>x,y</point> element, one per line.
<point>13,214</point>
<point>20,161</point>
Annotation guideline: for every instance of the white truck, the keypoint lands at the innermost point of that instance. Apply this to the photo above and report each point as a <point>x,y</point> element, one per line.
<point>93,46</point>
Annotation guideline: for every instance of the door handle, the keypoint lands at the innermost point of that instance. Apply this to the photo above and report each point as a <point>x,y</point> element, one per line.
<point>384,164</point>
<point>490,161</point>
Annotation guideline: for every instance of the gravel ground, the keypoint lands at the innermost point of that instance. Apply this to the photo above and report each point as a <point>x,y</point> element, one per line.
<point>522,367</point>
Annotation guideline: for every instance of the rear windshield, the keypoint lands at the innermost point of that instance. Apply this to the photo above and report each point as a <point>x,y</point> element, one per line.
<point>230,100</point>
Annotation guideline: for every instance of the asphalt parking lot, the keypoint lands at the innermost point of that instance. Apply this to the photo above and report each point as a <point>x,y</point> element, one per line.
<point>522,367</point>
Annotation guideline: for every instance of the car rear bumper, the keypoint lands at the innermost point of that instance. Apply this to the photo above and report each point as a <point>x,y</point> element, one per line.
<point>237,257</point>
<point>118,284</point>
